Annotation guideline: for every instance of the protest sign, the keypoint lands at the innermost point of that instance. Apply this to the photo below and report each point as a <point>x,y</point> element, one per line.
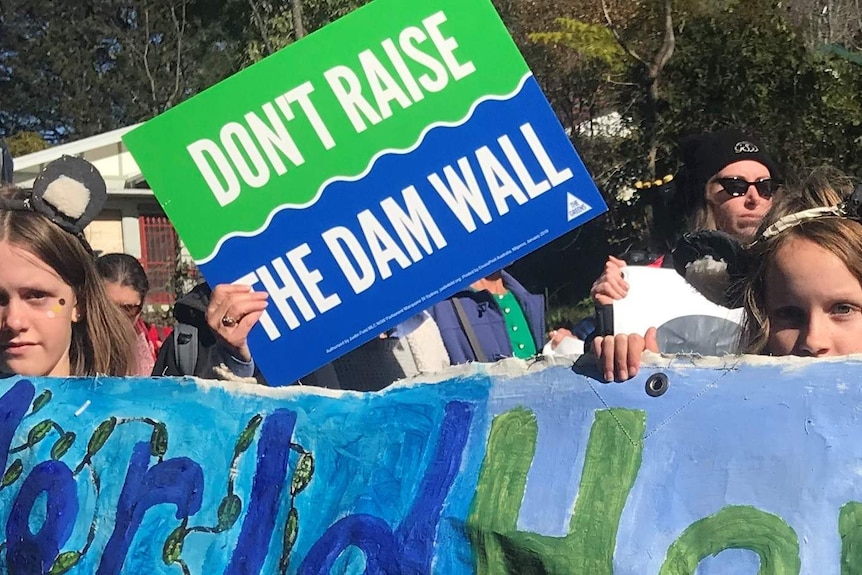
<point>508,469</point>
<point>686,321</point>
<point>366,172</point>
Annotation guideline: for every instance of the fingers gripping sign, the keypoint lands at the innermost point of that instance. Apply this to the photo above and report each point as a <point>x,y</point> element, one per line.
<point>611,285</point>
<point>233,310</point>
<point>619,356</point>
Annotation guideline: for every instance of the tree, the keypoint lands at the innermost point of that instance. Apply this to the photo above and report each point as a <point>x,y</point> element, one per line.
<point>587,70</point>
<point>568,48</point>
<point>648,72</point>
<point>596,58</point>
<point>24,143</point>
<point>274,24</point>
<point>74,69</point>
<point>752,68</point>
<point>826,21</point>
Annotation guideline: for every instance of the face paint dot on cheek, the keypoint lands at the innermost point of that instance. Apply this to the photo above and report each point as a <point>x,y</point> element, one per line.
<point>57,308</point>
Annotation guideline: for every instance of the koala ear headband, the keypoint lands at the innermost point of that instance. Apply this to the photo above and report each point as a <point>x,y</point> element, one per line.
<point>69,191</point>
<point>714,262</point>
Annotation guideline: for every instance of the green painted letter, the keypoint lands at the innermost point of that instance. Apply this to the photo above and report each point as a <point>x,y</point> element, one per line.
<point>611,464</point>
<point>736,527</point>
<point>850,530</point>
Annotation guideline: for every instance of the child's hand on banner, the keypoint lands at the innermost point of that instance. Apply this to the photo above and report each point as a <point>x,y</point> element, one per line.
<point>619,356</point>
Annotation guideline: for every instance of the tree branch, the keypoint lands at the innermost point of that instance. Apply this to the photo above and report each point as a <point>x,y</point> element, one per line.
<point>258,21</point>
<point>668,44</point>
<point>147,60</point>
<point>296,11</point>
<point>180,30</point>
<point>628,50</point>
<point>859,15</point>
<point>613,82</point>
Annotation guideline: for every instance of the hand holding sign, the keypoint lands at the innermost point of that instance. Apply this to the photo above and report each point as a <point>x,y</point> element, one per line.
<point>611,285</point>
<point>232,312</point>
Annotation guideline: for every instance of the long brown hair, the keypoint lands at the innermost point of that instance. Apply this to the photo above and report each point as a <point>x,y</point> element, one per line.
<point>842,237</point>
<point>102,338</point>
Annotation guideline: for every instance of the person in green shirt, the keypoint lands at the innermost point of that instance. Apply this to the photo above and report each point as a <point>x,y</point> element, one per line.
<point>496,317</point>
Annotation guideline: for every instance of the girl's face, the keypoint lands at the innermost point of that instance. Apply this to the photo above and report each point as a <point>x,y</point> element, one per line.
<point>126,298</point>
<point>813,302</point>
<point>37,309</point>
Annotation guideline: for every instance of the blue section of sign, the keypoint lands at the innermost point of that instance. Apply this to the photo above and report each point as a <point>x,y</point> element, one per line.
<point>525,186</point>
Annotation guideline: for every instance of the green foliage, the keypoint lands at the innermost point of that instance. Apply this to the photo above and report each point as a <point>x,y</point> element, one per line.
<point>561,314</point>
<point>593,42</point>
<point>277,31</point>
<point>25,142</point>
<point>756,73</point>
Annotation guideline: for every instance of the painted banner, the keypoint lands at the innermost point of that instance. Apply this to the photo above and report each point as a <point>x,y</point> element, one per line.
<point>365,173</point>
<point>729,467</point>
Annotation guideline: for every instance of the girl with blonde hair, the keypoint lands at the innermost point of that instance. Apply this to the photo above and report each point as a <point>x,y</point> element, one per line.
<point>803,294</point>
<point>55,318</point>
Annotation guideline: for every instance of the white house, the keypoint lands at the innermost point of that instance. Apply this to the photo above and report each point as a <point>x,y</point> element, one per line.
<point>132,221</point>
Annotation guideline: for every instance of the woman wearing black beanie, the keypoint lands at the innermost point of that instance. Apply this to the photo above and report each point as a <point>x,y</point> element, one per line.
<point>726,183</point>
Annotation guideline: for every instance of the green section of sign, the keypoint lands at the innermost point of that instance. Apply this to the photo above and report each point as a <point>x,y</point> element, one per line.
<point>430,61</point>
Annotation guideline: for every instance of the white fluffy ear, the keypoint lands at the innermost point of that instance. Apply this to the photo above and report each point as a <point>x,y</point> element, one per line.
<point>68,196</point>
<point>710,277</point>
<point>70,192</point>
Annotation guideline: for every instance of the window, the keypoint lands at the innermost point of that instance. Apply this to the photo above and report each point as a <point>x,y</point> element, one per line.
<point>158,256</point>
<point>105,233</point>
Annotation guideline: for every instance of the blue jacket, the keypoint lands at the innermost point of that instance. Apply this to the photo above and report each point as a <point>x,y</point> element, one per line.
<point>487,320</point>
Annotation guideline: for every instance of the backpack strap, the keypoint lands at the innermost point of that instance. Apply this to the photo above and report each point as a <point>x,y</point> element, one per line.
<point>475,345</point>
<point>186,348</point>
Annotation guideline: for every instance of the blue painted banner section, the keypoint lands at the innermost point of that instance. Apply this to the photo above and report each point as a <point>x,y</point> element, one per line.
<point>733,467</point>
<point>397,283</point>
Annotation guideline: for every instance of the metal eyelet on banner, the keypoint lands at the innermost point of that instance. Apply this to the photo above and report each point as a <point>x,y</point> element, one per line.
<point>657,384</point>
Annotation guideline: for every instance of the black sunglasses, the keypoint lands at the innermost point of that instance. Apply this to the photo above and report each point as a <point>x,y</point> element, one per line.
<point>131,309</point>
<point>738,187</point>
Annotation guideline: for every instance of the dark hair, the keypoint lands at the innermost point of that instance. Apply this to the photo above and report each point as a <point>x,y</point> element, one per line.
<point>124,270</point>
<point>102,340</point>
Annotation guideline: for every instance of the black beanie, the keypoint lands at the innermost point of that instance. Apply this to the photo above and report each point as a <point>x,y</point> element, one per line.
<point>704,155</point>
